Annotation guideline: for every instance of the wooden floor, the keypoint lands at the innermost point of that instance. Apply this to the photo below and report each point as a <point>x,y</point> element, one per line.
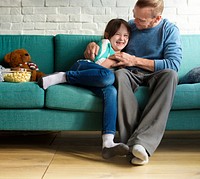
<point>71,155</point>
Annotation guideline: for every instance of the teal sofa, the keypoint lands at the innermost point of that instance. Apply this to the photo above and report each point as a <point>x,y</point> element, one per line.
<point>25,106</point>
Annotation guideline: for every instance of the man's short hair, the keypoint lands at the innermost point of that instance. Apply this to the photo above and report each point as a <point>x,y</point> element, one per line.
<point>157,5</point>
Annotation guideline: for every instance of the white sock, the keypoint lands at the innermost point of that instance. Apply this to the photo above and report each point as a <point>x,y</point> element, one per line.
<point>140,152</point>
<point>108,140</point>
<point>137,161</point>
<point>54,79</point>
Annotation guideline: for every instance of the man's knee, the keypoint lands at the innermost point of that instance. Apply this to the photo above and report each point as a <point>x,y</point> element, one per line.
<point>172,75</point>
<point>121,75</point>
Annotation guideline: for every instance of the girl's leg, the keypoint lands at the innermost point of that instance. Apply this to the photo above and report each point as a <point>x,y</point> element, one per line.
<point>89,74</point>
<point>99,80</point>
<point>81,73</point>
<point>110,148</point>
<point>109,96</point>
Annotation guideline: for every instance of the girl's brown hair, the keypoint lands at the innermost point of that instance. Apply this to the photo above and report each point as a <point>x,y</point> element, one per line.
<point>113,26</point>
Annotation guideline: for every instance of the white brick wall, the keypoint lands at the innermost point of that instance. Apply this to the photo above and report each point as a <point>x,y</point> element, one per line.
<point>85,16</point>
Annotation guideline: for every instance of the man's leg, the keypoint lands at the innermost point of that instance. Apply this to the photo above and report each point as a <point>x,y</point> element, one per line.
<point>153,121</point>
<point>128,109</point>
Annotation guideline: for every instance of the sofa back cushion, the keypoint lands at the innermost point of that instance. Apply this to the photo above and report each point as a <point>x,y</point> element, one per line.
<point>40,47</point>
<point>70,48</point>
<point>191,53</point>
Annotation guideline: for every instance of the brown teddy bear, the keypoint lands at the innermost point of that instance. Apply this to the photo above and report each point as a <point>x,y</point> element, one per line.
<point>20,59</point>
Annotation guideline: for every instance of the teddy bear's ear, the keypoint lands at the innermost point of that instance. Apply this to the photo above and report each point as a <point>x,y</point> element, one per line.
<point>7,57</point>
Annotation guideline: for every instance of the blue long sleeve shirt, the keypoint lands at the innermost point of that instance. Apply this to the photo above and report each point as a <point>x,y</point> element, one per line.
<point>161,43</point>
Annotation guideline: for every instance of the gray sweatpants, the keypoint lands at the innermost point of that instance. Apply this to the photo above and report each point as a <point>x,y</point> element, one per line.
<point>145,128</point>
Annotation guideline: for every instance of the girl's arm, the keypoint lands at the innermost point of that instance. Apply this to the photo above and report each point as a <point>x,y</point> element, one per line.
<point>108,63</point>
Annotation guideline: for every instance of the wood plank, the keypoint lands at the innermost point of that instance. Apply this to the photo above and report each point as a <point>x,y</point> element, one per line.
<point>75,154</point>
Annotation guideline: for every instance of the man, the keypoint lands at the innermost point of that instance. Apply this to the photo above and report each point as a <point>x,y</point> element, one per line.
<point>152,59</point>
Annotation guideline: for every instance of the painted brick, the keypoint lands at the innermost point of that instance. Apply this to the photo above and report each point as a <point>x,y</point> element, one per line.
<point>5,26</point>
<point>28,25</point>
<point>189,11</point>
<point>82,3</point>
<point>5,11</point>
<point>32,3</point>
<point>45,10</point>
<point>175,3</point>
<point>17,26</point>
<point>69,10</point>
<point>194,3</point>
<point>34,18</point>
<point>81,18</point>
<point>46,26</point>
<point>15,11</point>
<point>127,3</point>
<point>90,26</point>
<point>85,16</point>
<point>70,26</point>
<point>27,10</point>
<point>10,3</point>
<point>57,3</point>
<point>57,18</point>
<point>94,10</point>
<point>104,3</point>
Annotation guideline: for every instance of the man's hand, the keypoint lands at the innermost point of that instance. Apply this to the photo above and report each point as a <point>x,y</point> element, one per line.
<point>123,59</point>
<point>91,51</point>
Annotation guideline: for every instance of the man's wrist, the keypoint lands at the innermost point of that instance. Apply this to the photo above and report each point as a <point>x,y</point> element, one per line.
<point>133,60</point>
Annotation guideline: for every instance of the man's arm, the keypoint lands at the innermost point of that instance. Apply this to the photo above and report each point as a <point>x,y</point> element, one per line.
<point>172,50</point>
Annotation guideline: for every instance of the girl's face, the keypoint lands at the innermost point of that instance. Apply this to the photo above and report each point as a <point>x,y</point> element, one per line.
<point>120,39</point>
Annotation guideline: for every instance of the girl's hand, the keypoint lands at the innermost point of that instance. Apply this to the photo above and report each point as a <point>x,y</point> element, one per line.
<point>91,51</point>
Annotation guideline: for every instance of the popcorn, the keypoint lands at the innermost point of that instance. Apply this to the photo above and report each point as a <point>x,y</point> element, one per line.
<point>17,76</point>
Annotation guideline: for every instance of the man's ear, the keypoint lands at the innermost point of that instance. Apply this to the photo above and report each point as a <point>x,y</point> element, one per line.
<point>7,58</point>
<point>158,18</point>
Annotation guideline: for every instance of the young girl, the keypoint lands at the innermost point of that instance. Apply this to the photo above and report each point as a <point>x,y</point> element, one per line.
<point>98,77</point>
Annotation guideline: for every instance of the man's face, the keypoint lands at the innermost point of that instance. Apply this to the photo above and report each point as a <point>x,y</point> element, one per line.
<point>143,17</point>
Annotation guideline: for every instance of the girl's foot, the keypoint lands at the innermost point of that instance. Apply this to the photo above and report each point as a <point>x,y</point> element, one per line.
<point>119,149</point>
<point>53,79</point>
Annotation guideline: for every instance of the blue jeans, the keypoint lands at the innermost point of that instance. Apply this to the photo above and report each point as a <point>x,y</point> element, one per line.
<point>100,81</point>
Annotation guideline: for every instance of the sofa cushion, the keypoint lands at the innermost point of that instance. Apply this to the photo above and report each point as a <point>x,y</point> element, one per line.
<point>186,97</point>
<point>73,98</point>
<point>68,97</point>
<point>21,95</point>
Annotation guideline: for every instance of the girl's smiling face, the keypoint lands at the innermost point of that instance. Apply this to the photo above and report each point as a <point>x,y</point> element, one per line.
<point>120,39</point>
